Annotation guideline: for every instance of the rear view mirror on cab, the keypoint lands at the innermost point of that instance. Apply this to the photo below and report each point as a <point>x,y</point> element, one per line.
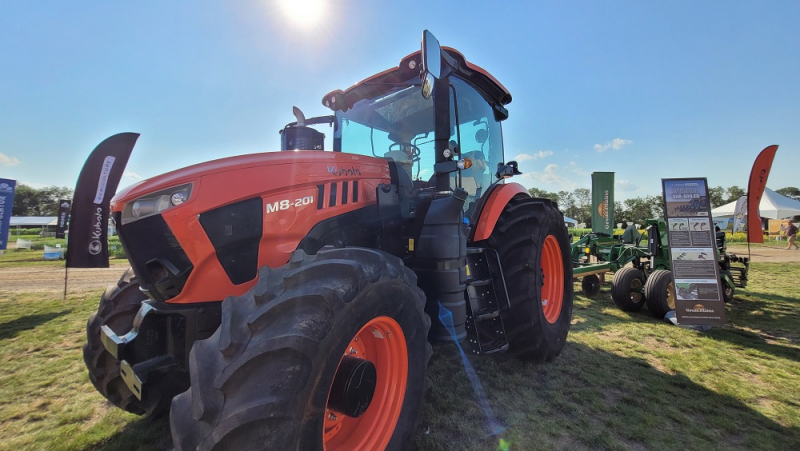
<point>431,63</point>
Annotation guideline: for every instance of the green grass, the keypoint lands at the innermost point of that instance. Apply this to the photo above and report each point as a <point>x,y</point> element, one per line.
<point>20,258</point>
<point>624,381</point>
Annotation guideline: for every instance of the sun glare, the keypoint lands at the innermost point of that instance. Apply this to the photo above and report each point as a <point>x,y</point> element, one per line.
<point>303,13</point>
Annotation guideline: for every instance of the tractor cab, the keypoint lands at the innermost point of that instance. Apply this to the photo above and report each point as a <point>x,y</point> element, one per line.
<point>441,131</point>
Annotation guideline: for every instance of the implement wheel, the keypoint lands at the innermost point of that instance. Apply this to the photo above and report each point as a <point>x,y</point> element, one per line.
<point>626,289</point>
<point>327,352</point>
<point>534,250</point>
<point>590,285</point>
<point>660,293</point>
<point>727,291</point>
<point>118,307</point>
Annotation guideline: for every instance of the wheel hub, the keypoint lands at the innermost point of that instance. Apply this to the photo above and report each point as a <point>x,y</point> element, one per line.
<point>353,386</point>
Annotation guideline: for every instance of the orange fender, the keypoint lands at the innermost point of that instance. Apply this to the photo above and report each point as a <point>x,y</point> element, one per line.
<point>494,206</point>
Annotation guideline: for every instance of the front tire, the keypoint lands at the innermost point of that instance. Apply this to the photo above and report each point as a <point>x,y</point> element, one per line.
<point>118,307</point>
<point>263,379</point>
<point>534,250</point>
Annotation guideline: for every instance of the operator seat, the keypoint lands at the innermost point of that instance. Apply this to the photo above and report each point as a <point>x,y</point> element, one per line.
<point>404,167</point>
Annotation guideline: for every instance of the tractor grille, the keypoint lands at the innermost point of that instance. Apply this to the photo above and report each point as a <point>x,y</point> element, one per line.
<point>157,258</point>
<point>337,193</point>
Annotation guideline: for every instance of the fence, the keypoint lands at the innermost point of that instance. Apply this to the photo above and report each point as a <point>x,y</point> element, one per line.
<point>53,253</point>
<point>24,244</point>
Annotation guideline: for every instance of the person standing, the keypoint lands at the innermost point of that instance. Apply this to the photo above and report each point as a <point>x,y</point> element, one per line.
<point>791,234</point>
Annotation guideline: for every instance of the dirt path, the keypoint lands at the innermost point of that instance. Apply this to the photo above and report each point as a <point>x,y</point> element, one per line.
<point>44,279</point>
<point>774,252</point>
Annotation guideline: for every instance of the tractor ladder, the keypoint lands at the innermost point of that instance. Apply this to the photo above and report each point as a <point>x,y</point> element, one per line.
<point>486,296</point>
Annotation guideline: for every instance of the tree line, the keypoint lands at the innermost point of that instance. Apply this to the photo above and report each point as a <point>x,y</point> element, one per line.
<point>577,204</point>
<point>39,202</point>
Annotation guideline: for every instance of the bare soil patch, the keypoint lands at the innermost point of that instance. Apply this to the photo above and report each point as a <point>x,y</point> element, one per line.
<point>51,279</point>
<point>768,253</point>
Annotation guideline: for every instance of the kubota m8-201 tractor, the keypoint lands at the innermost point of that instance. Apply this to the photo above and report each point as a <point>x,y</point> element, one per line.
<point>286,300</point>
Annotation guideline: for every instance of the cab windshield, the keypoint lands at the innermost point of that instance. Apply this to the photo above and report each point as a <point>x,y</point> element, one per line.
<point>397,125</point>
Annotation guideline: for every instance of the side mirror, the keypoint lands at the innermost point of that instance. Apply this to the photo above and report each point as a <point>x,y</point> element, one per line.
<point>431,63</point>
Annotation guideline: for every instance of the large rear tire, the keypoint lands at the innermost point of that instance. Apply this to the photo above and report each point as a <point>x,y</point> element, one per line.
<point>118,307</point>
<point>626,289</point>
<point>534,250</point>
<point>263,379</point>
<point>660,293</point>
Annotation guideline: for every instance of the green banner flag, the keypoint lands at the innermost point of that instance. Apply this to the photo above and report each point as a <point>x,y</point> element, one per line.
<point>603,202</point>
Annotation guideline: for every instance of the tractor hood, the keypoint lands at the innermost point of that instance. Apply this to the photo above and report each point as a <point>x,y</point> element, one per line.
<point>300,163</point>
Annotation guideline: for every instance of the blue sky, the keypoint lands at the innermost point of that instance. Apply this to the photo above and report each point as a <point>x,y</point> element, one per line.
<point>648,90</point>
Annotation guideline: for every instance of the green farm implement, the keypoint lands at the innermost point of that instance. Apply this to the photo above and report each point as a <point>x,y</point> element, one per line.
<point>642,273</point>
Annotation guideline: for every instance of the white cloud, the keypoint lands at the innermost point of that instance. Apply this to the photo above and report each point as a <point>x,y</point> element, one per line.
<point>616,144</point>
<point>626,186</point>
<point>573,167</point>
<point>32,184</point>
<point>553,178</point>
<point>5,160</point>
<point>540,154</point>
<point>132,175</point>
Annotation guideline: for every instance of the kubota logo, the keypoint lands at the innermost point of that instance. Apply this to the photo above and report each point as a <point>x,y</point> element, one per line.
<point>342,171</point>
<point>95,246</point>
<point>5,187</point>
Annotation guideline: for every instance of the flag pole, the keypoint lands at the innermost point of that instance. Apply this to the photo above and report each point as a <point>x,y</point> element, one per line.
<point>66,277</point>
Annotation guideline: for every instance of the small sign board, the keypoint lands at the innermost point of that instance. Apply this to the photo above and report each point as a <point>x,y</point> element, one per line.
<point>693,252</point>
<point>6,205</point>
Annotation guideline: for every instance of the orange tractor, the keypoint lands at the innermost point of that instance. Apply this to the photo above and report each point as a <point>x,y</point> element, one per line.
<point>287,300</point>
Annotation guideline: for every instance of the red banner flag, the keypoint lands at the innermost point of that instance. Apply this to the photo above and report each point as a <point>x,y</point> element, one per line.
<point>755,189</point>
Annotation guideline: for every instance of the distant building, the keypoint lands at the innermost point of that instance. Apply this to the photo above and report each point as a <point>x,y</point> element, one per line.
<point>47,224</point>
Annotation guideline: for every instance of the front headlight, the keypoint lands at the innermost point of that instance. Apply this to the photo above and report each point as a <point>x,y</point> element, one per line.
<point>155,203</point>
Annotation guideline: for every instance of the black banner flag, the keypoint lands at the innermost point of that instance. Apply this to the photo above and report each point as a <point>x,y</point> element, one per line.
<point>63,215</point>
<point>88,224</point>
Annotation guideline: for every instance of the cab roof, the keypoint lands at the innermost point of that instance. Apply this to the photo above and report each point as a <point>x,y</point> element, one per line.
<point>408,69</point>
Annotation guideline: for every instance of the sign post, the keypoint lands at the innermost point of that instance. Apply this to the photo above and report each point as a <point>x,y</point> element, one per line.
<point>693,252</point>
<point>63,216</point>
<point>6,206</point>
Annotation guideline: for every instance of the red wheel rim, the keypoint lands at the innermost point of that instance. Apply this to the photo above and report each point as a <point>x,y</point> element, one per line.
<point>553,285</point>
<point>381,341</point>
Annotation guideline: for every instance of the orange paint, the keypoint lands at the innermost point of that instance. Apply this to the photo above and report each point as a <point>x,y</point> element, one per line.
<point>382,342</point>
<point>494,207</point>
<point>221,182</point>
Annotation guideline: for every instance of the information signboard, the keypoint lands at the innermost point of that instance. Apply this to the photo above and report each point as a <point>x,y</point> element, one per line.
<point>693,252</point>
<point>6,205</point>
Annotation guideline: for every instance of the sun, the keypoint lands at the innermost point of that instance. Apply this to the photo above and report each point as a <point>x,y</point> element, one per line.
<point>303,13</point>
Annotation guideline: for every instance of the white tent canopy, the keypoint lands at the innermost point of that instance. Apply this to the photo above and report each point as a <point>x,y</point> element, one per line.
<point>773,206</point>
<point>33,221</point>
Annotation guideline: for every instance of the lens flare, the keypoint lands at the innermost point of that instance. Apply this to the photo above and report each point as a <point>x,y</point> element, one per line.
<point>304,13</point>
<point>446,317</point>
